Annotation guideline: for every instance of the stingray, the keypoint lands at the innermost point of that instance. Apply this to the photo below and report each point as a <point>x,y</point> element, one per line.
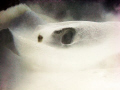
<point>71,55</point>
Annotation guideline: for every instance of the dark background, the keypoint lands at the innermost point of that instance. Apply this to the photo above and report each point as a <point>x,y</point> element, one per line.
<point>109,4</point>
<point>77,8</point>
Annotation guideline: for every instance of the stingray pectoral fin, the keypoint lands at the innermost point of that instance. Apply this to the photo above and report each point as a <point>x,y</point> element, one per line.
<point>19,16</point>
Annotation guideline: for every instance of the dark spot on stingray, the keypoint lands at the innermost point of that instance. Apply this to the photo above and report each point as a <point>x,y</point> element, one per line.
<point>40,38</point>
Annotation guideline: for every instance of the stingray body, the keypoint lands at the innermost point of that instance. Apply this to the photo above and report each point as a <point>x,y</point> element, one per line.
<point>74,55</point>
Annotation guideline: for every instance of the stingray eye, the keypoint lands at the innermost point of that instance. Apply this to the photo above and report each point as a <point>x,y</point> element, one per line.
<point>65,35</point>
<point>40,38</point>
<point>68,35</point>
